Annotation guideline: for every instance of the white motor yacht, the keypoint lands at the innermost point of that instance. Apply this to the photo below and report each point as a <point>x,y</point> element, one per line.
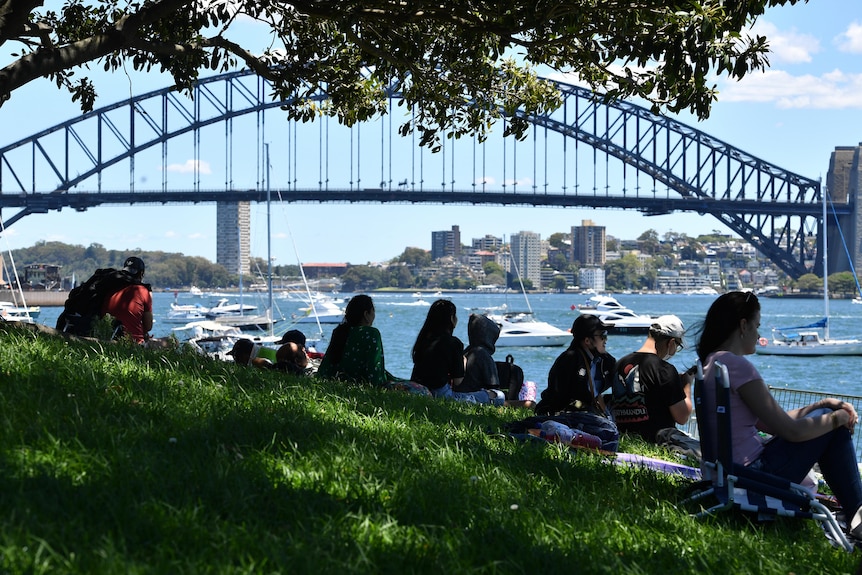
<point>224,308</point>
<point>183,314</point>
<point>612,312</point>
<point>522,329</point>
<point>324,310</point>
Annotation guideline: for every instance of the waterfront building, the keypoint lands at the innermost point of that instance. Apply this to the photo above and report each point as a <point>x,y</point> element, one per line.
<point>592,278</point>
<point>549,274</point>
<point>588,244</point>
<point>233,236</point>
<point>477,260</point>
<point>314,270</point>
<point>489,243</point>
<point>526,249</point>
<point>42,276</point>
<point>446,243</point>
<point>680,283</point>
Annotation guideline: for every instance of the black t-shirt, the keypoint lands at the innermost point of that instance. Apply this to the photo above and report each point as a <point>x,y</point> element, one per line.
<point>648,386</point>
<point>439,363</point>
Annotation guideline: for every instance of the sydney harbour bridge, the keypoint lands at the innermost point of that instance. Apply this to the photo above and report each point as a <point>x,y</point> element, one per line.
<point>587,153</point>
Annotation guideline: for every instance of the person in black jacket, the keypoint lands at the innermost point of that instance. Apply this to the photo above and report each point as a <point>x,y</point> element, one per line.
<point>582,373</point>
<point>480,369</point>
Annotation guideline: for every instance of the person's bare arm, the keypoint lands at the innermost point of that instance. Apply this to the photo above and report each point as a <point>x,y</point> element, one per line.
<point>774,420</point>
<point>681,410</point>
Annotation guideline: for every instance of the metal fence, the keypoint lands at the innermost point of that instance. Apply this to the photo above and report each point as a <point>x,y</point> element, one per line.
<point>794,399</point>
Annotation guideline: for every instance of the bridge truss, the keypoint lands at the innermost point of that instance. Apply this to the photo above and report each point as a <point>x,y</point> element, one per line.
<point>588,153</point>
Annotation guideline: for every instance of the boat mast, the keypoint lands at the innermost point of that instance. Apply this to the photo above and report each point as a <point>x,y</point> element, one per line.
<point>268,246</point>
<point>823,193</point>
<point>518,272</point>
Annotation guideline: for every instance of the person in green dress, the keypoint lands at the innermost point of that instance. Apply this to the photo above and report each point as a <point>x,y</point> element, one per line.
<point>355,352</point>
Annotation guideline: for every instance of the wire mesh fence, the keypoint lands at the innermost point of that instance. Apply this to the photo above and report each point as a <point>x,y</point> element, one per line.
<point>794,399</point>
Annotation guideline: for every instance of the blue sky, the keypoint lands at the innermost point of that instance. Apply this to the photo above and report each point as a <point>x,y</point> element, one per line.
<point>793,115</point>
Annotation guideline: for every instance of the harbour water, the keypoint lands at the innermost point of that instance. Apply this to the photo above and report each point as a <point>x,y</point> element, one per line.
<point>400,316</point>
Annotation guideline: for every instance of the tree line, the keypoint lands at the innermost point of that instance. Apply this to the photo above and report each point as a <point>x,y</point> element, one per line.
<point>164,269</point>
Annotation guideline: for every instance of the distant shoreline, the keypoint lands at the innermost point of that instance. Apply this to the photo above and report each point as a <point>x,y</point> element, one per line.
<point>40,298</point>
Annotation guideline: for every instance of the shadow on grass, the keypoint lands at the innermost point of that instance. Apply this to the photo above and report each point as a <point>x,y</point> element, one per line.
<point>268,472</point>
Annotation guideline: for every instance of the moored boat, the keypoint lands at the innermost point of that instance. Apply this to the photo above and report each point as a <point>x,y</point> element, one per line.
<point>321,310</point>
<point>522,329</point>
<point>11,312</point>
<point>807,340</point>
<point>811,340</point>
<point>622,319</point>
<point>183,314</point>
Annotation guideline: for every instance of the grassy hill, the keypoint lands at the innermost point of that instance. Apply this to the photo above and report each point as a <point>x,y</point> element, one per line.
<point>117,459</point>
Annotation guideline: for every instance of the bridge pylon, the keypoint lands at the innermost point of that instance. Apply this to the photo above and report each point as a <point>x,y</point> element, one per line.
<point>843,181</point>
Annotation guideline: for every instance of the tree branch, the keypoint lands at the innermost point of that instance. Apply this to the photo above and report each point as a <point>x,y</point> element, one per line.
<point>51,60</point>
<point>14,17</point>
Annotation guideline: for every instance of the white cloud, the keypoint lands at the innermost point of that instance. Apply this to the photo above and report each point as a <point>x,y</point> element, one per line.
<point>488,181</point>
<point>832,90</point>
<point>189,167</point>
<point>197,236</point>
<point>788,47</point>
<point>851,39</point>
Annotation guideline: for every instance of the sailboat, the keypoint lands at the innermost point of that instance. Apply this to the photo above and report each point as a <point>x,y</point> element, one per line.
<point>813,339</point>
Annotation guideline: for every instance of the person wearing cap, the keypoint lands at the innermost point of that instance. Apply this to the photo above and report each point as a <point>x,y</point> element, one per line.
<point>247,352</point>
<point>650,394</point>
<point>582,373</point>
<point>132,305</point>
<point>294,351</point>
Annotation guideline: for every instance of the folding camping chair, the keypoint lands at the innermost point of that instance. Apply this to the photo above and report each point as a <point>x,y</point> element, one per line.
<point>736,486</point>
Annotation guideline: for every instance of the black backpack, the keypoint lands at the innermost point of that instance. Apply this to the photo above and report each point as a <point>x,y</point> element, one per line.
<point>84,304</point>
<point>511,377</point>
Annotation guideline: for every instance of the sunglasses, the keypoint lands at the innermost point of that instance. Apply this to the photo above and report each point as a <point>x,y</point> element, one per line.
<point>601,334</point>
<point>679,344</point>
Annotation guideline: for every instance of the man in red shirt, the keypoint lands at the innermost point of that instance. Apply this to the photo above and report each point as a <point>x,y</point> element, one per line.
<point>132,306</point>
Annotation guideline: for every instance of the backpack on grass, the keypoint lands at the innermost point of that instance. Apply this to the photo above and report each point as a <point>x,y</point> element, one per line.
<point>511,377</point>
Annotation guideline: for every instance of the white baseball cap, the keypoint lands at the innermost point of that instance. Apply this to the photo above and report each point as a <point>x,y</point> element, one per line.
<point>669,326</point>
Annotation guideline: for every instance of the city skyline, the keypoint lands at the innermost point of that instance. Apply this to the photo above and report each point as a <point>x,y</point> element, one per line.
<point>793,115</point>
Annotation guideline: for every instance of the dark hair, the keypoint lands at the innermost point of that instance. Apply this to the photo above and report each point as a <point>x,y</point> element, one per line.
<point>353,315</point>
<point>723,319</point>
<point>438,322</point>
<point>291,352</point>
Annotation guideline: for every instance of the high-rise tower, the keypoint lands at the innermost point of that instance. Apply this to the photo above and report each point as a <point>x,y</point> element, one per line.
<point>526,250</point>
<point>233,236</point>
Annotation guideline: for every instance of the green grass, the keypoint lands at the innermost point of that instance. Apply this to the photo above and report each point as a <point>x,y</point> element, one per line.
<point>117,459</point>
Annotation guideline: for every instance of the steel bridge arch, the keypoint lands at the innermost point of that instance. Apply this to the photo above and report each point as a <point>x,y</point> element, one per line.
<point>767,205</point>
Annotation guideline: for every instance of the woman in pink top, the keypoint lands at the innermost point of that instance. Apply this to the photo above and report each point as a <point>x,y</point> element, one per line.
<point>817,433</point>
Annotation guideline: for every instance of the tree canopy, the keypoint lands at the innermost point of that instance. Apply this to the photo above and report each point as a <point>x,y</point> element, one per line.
<point>459,65</point>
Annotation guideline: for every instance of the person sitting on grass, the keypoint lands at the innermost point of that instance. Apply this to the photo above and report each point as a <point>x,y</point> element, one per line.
<point>650,394</point>
<point>818,433</point>
<point>355,352</point>
<point>480,369</point>
<point>438,357</point>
